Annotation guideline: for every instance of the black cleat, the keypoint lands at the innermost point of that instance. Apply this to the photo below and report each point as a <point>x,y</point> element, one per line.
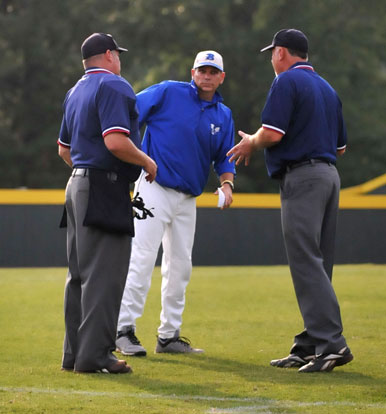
<point>292,361</point>
<point>327,362</point>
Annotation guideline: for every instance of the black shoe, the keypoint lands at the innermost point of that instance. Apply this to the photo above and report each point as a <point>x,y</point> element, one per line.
<point>292,361</point>
<point>327,362</point>
<point>117,367</point>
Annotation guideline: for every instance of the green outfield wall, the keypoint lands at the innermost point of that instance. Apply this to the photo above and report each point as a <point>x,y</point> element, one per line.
<point>249,233</point>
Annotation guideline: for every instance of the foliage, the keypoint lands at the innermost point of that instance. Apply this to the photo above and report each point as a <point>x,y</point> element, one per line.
<point>40,42</point>
<point>241,316</point>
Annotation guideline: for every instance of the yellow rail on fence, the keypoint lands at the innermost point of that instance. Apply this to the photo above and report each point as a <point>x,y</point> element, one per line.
<point>348,199</point>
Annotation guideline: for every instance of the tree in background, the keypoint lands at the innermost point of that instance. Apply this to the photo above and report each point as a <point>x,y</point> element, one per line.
<point>40,48</point>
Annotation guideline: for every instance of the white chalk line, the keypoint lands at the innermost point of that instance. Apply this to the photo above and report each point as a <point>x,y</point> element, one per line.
<point>59,391</point>
<point>259,405</point>
<point>266,409</point>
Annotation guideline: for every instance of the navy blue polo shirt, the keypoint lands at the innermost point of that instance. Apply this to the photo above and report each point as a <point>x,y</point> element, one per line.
<point>100,103</point>
<point>308,112</point>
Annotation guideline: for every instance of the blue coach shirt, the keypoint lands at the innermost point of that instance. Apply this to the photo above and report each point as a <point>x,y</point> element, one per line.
<point>100,103</point>
<point>185,134</point>
<point>307,110</point>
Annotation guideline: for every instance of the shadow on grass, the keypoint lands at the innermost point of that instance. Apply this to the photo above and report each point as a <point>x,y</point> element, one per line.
<point>254,374</point>
<point>257,372</point>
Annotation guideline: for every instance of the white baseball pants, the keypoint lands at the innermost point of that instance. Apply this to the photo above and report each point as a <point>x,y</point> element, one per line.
<point>173,224</point>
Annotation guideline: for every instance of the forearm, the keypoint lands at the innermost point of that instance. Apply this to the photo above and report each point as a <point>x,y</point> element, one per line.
<point>265,138</point>
<point>227,179</point>
<point>125,150</point>
<point>65,154</point>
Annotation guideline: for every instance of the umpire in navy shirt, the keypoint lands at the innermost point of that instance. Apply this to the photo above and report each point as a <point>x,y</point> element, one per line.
<point>302,132</point>
<point>99,138</point>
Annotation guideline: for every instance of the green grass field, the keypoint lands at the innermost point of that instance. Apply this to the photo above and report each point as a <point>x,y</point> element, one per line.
<point>241,316</point>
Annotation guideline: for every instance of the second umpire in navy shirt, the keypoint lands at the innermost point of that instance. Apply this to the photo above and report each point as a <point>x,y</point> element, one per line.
<point>302,132</point>
<point>99,138</point>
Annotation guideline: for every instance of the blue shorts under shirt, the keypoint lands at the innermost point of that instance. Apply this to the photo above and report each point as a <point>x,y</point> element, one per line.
<point>185,135</point>
<point>100,103</point>
<point>307,110</point>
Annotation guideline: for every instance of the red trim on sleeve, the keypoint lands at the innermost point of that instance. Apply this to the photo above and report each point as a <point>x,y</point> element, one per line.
<point>279,131</point>
<point>62,144</point>
<point>119,130</point>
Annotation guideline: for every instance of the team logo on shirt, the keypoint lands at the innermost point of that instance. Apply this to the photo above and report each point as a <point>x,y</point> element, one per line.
<point>214,129</point>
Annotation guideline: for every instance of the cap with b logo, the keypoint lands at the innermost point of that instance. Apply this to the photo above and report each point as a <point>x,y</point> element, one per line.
<point>209,58</point>
<point>98,43</point>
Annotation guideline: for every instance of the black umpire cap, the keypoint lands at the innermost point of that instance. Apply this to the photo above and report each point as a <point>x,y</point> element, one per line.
<point>98,43</point>
<point>291,39</point>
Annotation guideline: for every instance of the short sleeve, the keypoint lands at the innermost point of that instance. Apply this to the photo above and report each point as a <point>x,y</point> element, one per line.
<point>279,106</point>
<point>114,100</point>
<point>64,139</point>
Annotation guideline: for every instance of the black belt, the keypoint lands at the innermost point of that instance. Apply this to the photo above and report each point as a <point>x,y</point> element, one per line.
<point>84,172</point>
<point>80,171</point>
<point>311,161</point>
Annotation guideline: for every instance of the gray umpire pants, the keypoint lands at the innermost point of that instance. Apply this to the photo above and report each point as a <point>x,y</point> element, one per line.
<point>309,198</point>
<point>98,264</point>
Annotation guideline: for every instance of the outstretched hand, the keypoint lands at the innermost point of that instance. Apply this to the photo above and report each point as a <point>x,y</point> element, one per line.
<point>241,151</point>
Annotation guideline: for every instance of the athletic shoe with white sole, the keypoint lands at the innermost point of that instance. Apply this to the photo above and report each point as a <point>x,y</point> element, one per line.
<point>327,362</point>
<point>292,361</point>
<point>176,345</point>
<point>128,344</point>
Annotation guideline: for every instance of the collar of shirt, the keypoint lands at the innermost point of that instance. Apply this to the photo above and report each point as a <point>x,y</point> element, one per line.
<point>93,70</point>
<point>216,97</point>
<point>302,65</point>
